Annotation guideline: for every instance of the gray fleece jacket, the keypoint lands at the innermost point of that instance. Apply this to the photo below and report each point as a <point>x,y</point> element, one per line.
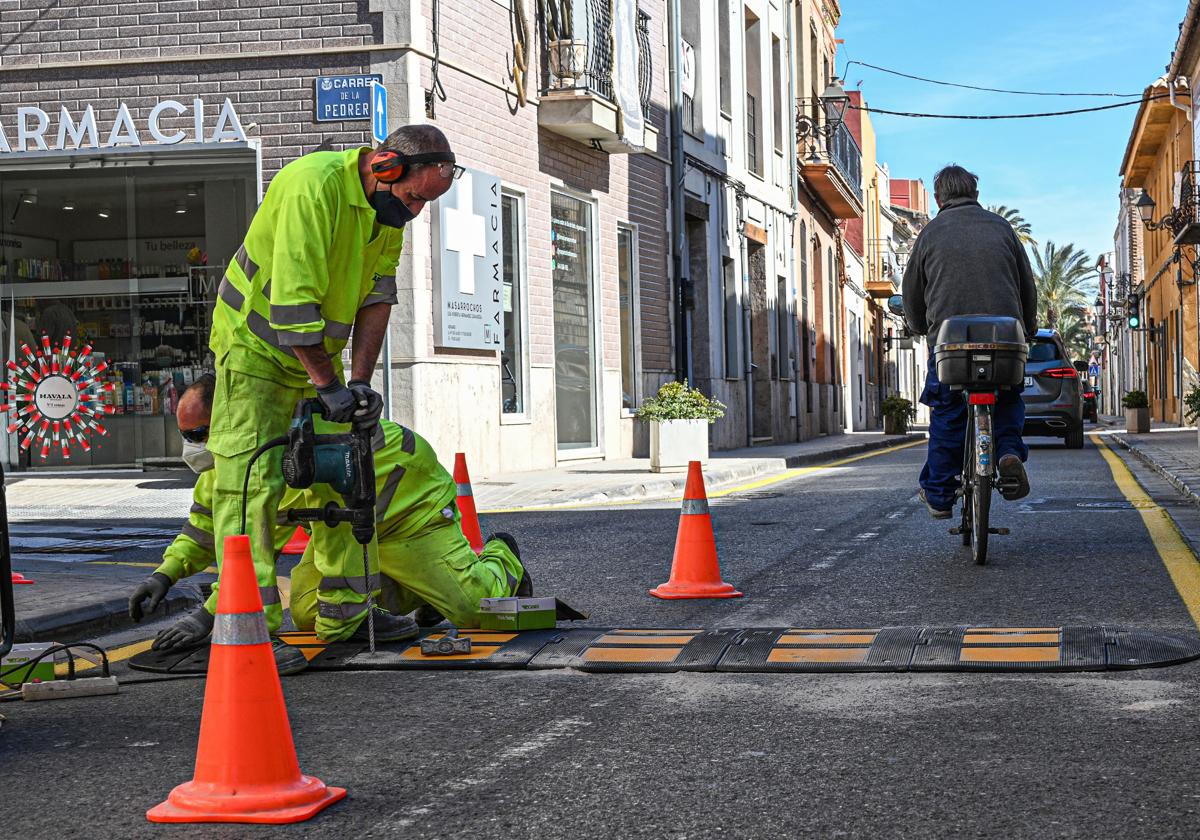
<point>968,261</point>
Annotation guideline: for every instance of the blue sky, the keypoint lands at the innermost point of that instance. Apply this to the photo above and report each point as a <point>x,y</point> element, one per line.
<point>1061,172</point>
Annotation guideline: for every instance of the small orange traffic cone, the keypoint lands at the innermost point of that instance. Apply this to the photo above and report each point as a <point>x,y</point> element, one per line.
<point>695,572</point>
<point>17,577</point>
<point>246,769</point>
<point>466,503</point>
<point>297,543</point>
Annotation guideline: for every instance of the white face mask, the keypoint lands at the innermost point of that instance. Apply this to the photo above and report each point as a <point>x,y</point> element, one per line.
<point>197,456</point>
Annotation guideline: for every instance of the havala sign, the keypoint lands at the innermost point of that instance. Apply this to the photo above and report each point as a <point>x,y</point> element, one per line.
<point>169,122</point>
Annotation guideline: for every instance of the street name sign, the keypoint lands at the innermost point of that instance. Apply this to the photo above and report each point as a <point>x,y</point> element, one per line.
<point>341,98</point>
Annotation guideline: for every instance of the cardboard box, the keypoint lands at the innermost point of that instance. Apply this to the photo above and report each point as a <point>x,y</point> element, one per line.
<point>44,670</point>
<point>517,613</point>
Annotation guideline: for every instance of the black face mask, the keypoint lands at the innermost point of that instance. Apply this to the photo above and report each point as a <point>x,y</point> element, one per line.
<point>389,210</point>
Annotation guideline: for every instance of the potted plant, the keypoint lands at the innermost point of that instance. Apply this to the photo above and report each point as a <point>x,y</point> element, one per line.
<point>1137,412</point>
<point>1191,407</point>
<point>679,417</point>
<point>566,56</point>
<point>898,412</point>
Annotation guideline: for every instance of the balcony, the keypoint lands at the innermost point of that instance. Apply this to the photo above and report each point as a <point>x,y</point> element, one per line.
<point>1187,224</point>
<point>835,174</point>
<point>578,98</point>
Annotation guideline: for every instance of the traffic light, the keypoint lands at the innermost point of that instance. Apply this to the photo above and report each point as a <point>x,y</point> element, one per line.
<point>1132,310</point>
<point>1135,321</point>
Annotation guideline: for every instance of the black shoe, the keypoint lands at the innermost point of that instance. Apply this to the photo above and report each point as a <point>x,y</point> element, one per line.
<point>524,588</point>
<point>1015,483</point>
<point>427,616</point>
<point>288,660</point>
<point>388,628</point>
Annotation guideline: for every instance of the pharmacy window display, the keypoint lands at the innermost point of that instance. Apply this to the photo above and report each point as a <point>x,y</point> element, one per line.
<point>122,268</point>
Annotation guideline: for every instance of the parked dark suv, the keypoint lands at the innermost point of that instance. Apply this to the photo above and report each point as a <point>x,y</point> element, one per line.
<point>1053,401</point>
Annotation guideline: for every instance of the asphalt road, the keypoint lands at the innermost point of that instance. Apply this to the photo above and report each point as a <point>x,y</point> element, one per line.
<point>566,754</point>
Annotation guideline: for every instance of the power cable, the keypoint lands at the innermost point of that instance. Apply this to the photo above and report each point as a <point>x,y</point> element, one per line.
<point>1005,116</point>
<point>977,87</point>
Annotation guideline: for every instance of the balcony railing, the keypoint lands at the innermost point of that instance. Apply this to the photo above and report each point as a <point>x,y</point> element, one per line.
<point>1187,216</point>
<point>847,157</point>
<point>584,63</point>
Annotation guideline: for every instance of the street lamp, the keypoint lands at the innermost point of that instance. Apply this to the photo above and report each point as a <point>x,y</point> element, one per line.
<point>1145,206</point>
<point>834,102</point>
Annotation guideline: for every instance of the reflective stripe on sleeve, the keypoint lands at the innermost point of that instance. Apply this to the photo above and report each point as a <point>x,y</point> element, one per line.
<point>249,266</point>
<point>342,612</point>
<point>337,330</point>
<point>384,291</point>
<point>199,508</point>
<point>240,629</point>
<point>356,584</point>
<point>295,313</point>
<point>201,537</point>
<point>269,595</point>
<point>408,441</point>
<point>695,506</point>
<point>229,294</point>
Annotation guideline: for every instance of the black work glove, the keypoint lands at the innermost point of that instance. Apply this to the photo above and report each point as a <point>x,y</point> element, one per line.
<point>338,403</point>
<point>155,588</point>
<point>370,404</point>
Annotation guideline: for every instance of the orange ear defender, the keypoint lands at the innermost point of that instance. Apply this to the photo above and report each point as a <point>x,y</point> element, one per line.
<point>389,167</point>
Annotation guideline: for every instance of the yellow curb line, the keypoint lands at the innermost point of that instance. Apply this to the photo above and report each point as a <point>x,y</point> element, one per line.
<point>741,488</point>
<point>1174,551</point>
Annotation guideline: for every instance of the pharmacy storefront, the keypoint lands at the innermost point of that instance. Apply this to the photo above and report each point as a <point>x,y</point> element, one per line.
<point>113,236</point>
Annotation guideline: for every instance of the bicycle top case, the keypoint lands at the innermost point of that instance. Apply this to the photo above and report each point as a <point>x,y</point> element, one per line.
<point>981,351</point>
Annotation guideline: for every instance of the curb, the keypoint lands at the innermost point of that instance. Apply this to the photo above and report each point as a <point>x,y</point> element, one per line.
<point>89,620</point>
<point>714,478</point>
<point>1190,490</point>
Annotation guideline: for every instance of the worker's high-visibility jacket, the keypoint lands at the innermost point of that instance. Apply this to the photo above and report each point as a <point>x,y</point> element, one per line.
<point>411,488</point>
<point>313,257</point>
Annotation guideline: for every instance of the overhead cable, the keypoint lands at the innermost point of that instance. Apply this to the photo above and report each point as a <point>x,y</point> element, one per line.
<point>977,87</point>
<point>1005,116</point>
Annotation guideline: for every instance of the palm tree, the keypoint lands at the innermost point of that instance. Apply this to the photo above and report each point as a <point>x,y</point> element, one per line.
<point>1020,227</point>
<point>1075,335</point>
<point>1059,276</point>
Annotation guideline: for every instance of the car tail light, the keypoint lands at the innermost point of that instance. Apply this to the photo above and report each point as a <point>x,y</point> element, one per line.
<point>1089,395</point>
<point>1060,373</point>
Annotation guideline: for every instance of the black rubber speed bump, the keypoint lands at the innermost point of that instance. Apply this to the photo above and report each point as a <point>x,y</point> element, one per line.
<point>774,649</point>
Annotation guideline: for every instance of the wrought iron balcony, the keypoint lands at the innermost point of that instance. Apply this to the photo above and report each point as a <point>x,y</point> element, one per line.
<point>1187,215</point>
<point>847,157</point>
<point>578,99</point>
<point>835,172</point>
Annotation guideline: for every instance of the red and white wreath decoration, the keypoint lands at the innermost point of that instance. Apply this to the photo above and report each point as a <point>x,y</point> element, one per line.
<point>53,397</point>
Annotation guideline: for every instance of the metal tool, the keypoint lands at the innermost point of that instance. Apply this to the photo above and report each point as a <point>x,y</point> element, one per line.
<point>345,462</point>
<point>450,644</point>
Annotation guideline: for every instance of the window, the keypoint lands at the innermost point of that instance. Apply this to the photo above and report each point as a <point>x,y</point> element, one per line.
<point>726,81</point>
<point>777,91</point>
<point>733,317</point>
<point>783,331</point>
<point>753,93</point>
<point>804,320</point>
<point>693,121</point>
<point>627,296</point>
<point>576,400</point>
<point>513,360</point>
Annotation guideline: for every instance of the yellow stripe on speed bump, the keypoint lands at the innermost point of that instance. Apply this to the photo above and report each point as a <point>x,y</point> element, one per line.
<point>973,638</point>
<point>1009,654</point>
<point>1172,549</point>
<point>825,640</point>
<point>810,654</point>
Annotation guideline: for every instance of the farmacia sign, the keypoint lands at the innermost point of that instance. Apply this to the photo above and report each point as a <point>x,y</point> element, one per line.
<point>32,129</point>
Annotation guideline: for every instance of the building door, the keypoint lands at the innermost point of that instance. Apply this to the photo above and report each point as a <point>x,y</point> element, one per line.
<point>576,400</point>
<point>760,340</point>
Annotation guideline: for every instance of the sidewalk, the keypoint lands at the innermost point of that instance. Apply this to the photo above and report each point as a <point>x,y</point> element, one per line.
<point>1171,451</point>
<point>124,519</point>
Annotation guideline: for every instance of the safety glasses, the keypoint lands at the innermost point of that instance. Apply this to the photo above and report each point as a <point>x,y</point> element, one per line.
<point>450,170</point>
<point>196,435</point>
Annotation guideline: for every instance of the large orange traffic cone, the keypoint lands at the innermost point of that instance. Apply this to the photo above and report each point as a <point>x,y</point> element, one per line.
<point>246,770</point>
<point>695,572</point>
<point>296,544</point>
<point>466,503</point>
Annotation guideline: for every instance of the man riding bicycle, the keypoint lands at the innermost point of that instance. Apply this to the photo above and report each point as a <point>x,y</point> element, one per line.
<point>967,261</point>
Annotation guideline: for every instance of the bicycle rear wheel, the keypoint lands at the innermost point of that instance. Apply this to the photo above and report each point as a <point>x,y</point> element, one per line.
<point>981,498</point>
<point>968,483</point>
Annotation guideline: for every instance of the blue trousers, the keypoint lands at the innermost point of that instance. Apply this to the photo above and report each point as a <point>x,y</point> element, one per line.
<point>948,432</point>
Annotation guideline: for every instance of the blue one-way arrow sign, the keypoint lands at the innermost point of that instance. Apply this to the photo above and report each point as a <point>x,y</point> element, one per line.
<point>379,130</point>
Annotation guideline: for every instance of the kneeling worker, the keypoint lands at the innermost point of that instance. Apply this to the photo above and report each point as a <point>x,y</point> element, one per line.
<point>426,561</point>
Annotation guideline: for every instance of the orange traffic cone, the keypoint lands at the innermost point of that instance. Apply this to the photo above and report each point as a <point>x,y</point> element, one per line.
<point>17,577</point>
<point>695,572</point>
<point>246,770</point>
<point>466,503</point>
<point>297,543</point>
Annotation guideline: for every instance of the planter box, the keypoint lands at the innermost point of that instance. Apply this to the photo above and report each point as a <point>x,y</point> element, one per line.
<point>675,442</point>
<point>892,426</point>
<point>1137,421</point>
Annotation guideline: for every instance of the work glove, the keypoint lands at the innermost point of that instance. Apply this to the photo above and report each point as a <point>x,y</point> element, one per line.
<point>338,403</point>
<point>155,588</point>
<point>370,404</point>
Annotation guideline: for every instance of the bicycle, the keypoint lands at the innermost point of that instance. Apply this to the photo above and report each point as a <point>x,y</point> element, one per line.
<point>979,476</point>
